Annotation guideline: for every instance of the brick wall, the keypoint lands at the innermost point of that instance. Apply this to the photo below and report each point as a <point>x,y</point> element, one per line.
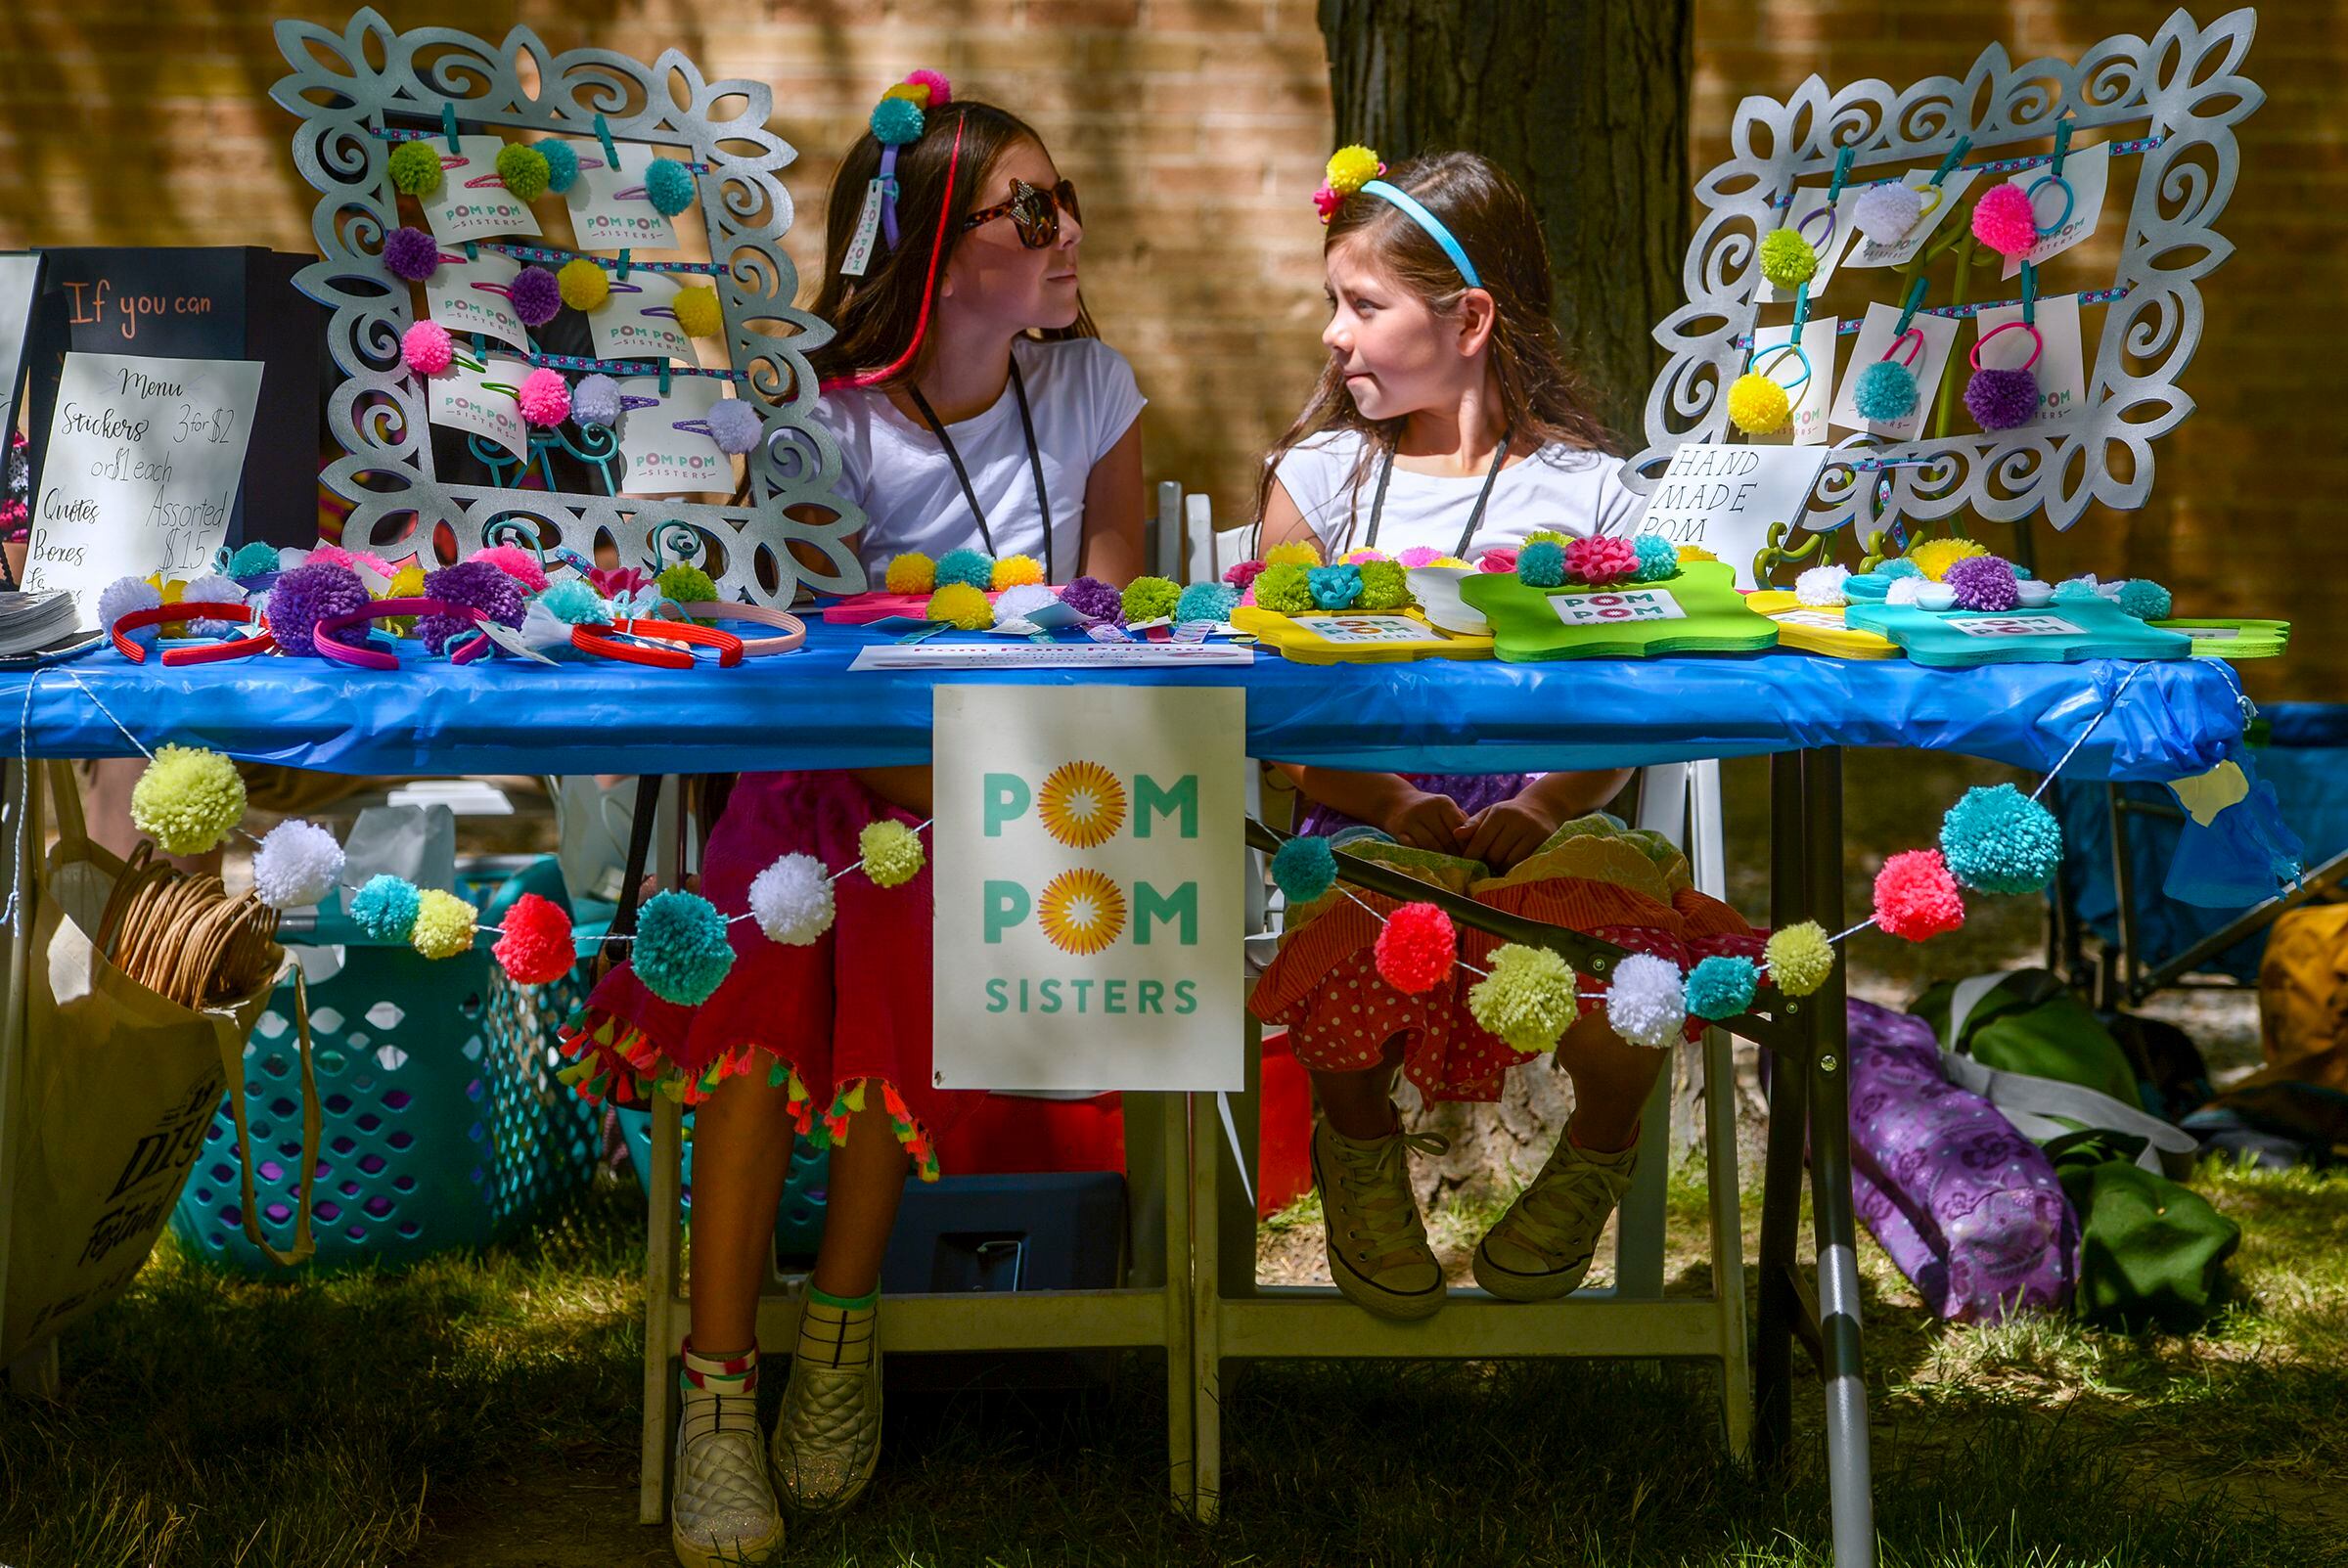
<point>1195,129</point>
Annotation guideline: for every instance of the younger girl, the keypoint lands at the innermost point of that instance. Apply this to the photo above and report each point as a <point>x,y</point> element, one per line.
<point>1447,421</point>
<point>973,407</point>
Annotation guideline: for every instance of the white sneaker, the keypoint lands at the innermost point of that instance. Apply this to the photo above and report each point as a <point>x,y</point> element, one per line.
<point>723,1510</point>
<point>1541,1248</point>
<point>827,1441</point>
<point>1376,1241</point>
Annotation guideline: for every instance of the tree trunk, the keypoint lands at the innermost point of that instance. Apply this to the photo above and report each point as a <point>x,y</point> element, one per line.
<point>1586,103</point>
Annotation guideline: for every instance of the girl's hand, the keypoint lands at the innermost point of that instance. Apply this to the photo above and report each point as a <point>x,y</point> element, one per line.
<point>1502,835</point>
<point>1426,822</point>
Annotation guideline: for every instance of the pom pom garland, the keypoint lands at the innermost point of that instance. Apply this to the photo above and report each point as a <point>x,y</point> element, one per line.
<point>668,186</point>
<point>1017,572</point>
<point>1605,559</point>
<point>1527,999</point>
<point>562,164</point>
<point>2001,399</point>
<point>1647,1004</point>
<point>1093,600</point>
<point>1206,602</point>
<point>188,800</point>
<point>1885,213</point>
<point>412,255</point>
<point>444,924</point>
<point>1416,949</point>
<point>791,900</point>
<point>1657,560</point>
<point>1982,582</point>
<point>1787,261</point>
<point>526,171</point>
<point>595,401</point>
<point>1296,553</point>
<point>1885,392</point>
<point>682,953</point>
<point>306,596</point>
<point>1386,586</point>
<point>1304,869</point>
<point>973,566</point>
<point>890,852</point>
<point>2145,599</point>
<point>686,583</point>
<point>536,295</point>
<point>297,863</point>
<point>1334,587</point>
<point>1915,897</point>
<point>535,947</point>
<point>1995,839</point>
<point>544,398</point>
<point>910,572</point>
<point>126,596</point>
<point>733,424</point>
<point>427,348</point>
<point>1149,598</point>
<point>1721,986</point>
<point>1758,405</point>
<point>1799,959</point>
<point>574,601</point>
<point>1821,586</point>
<point>960,606</point>
<point>414,168</point>
<point>1286,588</point>
<point>584,285</point>
<point>1541,565</point>
<point>896,121</point>
<point>385,907</point>
<point>2003,221</point>
<point>697,312</point>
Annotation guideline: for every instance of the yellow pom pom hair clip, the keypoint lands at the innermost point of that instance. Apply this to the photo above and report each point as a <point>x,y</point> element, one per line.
<point>1349,169</point>
<point>1357,170</point>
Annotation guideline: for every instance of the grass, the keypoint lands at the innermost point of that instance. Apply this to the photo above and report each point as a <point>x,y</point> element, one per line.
<point>482,1411</point>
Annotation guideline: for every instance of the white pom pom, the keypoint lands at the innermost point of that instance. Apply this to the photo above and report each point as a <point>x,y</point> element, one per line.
<point>296,866</point>
<point>1018,603</point>
<point>1935,596</point>
<point>1887,212</point>
<point>125,595</point>
<point>791,900</point>
<point>1905,590</point>
<point>212,589</point>
<point>1647,1003</point>
<point>1821,586</point>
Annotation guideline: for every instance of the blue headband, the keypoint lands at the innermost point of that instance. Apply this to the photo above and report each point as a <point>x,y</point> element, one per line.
<point>1419,214</point>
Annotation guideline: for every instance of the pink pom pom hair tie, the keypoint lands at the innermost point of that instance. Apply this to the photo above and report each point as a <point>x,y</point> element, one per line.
<point>544,398</point>
<point>2003,220</point>
<point>427,348</point>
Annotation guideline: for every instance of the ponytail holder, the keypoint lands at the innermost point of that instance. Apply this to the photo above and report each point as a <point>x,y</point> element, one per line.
<point>2005,399</point>
<point>1912,339</point>
<point>2038,343</point>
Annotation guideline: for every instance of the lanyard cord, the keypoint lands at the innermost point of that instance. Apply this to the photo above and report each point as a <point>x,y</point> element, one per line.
<point>1475,517</point>
<point>1035,463</point>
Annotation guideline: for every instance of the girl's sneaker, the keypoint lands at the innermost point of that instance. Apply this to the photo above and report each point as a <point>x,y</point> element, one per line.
<point>1542,1247</point>
<point>828,1439</point>
<point>1378,1251</point>
<point>723,1511</point>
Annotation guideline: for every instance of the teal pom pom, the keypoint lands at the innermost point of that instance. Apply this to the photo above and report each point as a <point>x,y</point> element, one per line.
<point>2075,591</point>
<point>896,121</point>
<point>1541,565</point>
<point>576,602</point>
<point>682,954</point>
<point>1886,391</point>
<point>668,186</point>
<point>385,907</point>
<point>1722,986</point>
<point>252,561</point>
<point>973,566</point>
<point>2145,599</point>
<point>1658,558</point>
<point>1304,869</point>
<point>562,164</point>
<point>1998,841</point>
<point>1206,602</point>
<point>1898,566</point>
<point>1335,587</point>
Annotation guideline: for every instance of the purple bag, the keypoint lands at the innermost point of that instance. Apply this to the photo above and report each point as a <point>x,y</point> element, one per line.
<point>1967,1207</point>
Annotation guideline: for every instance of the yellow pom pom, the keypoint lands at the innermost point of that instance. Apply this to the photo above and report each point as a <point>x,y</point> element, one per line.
<point>1695,553</point>
<point>1352,167</point>
<point>188,800</point>
<point>1017,571</point>
<point>911,573</point>
<point>1449,560</point>
<point>890,852</point>
<point>443,924</point>
<point>1527,1000</point>
<point>406,583</point>
<point>1300,553</point>
<point>583,284</point>
<point>1934,557</point>
<point>1758,405</point>
<point>961,604</point>
<point>1799,959</point>
<point>697,315</point>
<point>917,92</point>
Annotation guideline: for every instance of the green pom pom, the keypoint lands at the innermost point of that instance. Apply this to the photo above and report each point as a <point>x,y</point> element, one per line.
<point>1385,585</point>
<point>188,800</point>
<point>1286,589</point>
<point>1787,258</point>
<point>687,584</point>
<point>526,171</point>
<point>1527,999</point>
<point>416,168</point>
<point>1151,598</point>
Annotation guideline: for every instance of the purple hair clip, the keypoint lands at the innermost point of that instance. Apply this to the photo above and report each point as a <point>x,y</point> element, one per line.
<point>619,288</point>
<point>667,312</point>
<point>693,428</point>
<point>630,401</point>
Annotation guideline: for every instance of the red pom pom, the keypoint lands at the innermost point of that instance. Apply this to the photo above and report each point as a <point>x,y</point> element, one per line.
<point>2004,222</point>
<point>1416,949</point>
<point>1915,897</point>
<point>1602,560</point>
<point>535,949</point>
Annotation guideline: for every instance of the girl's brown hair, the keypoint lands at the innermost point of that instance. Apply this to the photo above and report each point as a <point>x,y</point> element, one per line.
<point>874,318</point>
<point>1541,398</point>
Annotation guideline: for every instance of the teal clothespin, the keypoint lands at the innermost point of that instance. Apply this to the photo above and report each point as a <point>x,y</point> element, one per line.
<point>2029,294</point>
<point>664,378</point>
<point>603,133</point>
<point>1948,165</point>
<point>448,125</point>
<point>1801,309</point>
<point>1908,306</point>
<point>472,251</point>
<point>1843,172</point>
<point>2062,144</point>
<point>623,266</point>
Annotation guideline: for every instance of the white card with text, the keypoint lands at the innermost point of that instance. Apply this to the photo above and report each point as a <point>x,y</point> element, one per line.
<point>2062,370</point>
<point>1808,425</point>
<point>1808,201</point>
<point>662,458</point>
<point>1875,335</point>
<point>1723,498</point>
<point>640,320</point>
<point>471,297</point>
<point>609,207</point>
<point>479,398</point>
<point>1870,254</point>
<point>2088,171</point>
<point>472,201</point>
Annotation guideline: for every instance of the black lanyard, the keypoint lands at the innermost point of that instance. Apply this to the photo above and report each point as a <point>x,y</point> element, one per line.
<point>1377,504</point>
<point>1035,464</point>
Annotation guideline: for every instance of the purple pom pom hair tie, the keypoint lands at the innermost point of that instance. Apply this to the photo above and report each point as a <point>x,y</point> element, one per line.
<point>2007,398</point>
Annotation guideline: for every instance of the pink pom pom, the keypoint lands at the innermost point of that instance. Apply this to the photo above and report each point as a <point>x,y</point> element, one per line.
<point>1915,897</point>
<point>1355,557</point>
<point>427,348</point>
<point>545,397</point>
<point>355,560</point>
<point>2004,222</point>
<point>536,947</point>
<point>1418,556</point>
<point>1498,561</point>
<point>516,563</point>
<point>1327,200</point>
<point>1416,948</point>
<point>941,91</point>
<point>1602,560</point>
<point>1243,575</point>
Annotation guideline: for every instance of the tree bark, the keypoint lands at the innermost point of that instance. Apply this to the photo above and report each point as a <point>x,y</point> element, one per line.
<point>1586,103</point>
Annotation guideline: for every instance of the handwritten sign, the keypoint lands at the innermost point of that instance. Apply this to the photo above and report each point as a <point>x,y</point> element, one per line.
<point>1724,498</point>
<point>19,276</point>
<point>141,471</point>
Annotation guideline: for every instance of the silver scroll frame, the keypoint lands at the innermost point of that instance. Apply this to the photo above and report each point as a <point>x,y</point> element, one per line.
<point>2184,83</point>
<point>342,88</point>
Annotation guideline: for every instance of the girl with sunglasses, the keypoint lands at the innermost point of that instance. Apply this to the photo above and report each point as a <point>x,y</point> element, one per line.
<point>973,406</point>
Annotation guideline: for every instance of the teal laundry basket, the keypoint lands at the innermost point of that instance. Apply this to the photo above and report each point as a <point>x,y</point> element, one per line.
<point>799,1223</point>
<point>443,1123</point>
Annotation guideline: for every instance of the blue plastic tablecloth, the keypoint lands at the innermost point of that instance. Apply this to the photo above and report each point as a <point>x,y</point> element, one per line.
<point>807,710</point>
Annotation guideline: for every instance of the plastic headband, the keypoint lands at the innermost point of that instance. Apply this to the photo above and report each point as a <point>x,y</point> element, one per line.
<point>1358,169</point>
<point>1413,210</point>
<point>921,326</point>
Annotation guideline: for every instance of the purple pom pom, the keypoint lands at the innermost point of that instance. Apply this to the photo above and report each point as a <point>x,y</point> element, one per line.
<point>595,401</point>
<point>412,253</point>
<point>536,296</point>
<point>1982,582</point>
<point>308,595</point>
<point>474,583</point>
<point>733,426</point>
<point>1094,600</point>
<point>2001,399</point>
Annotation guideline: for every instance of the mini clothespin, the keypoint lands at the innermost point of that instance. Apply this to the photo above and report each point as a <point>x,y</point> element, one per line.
<point>1948,165</point>
<point>1801,310</point>
<point>664,373</point>
<point>603,133</point>
<point>448,126</point>
<point>1910,305</point>
<point>472,251</point>
<point>2029,294</point>
<point>623,266</point>
<point>2062,143</point>
<point>1843,172</point>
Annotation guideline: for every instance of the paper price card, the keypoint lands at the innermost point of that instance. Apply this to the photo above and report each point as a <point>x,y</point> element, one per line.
<point>1606,609</point>
<point>2089,172</point>
<point>2017,626</point>
<point>666,438</point>
<point>2062,370</point>
<point>140,473</point>
<point>640,320</point>
<point>609,207</point>
<point>1871,253</point>
<point>477,397</point>
<point>472,201</point>
<point>471,297</point>
<point>1808,425</point>
<point>1803,218</point>
<point>1874,337</point>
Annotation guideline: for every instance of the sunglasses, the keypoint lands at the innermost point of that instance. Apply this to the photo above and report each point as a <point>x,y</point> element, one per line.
<point>1034,212</point>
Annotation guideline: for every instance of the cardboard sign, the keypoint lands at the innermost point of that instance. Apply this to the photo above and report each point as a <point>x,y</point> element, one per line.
<point>141,471</point>
<point>472,201</point>
<point>2062,370</point>
<point>1882,328</point>
<point>2088,171</point>
<point>1808,425</point>
<point>471,297</point>
<point>608,209</point>
<point>1723,498</point>
<point>1623,605</point>
<point>664,460</point>
<point>19,277</point>
<point>1087,887</point>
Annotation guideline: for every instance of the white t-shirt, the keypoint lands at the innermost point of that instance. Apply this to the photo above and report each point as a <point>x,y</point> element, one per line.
<point>1568,489</point>
<point>1083,399</point>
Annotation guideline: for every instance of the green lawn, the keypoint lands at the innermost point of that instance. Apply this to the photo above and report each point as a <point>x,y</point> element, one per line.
<point>481,1412</point>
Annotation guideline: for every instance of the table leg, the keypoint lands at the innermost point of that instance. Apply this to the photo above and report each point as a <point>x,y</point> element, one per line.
<point>1778,1300</point>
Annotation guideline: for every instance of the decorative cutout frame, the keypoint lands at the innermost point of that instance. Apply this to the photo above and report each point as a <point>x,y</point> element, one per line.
<point>2185,82</point>
<point>343,85</point>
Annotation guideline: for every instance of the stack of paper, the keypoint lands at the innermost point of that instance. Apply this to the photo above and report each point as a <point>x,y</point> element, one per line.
<point>30,621</point>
